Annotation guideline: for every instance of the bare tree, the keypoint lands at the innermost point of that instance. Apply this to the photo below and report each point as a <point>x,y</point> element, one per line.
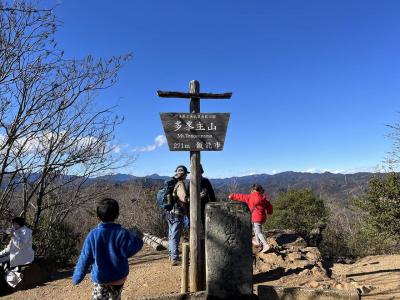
<point>233,185</point>
<point>393,160</point>
<point>139,209</point>
<point>53,137</point>
<point>23,33</point>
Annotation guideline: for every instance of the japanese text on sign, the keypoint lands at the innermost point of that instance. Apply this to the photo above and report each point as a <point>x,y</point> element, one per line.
<point>195,132</point>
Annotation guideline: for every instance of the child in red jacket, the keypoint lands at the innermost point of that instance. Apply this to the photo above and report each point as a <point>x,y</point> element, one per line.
<point>259,207</point>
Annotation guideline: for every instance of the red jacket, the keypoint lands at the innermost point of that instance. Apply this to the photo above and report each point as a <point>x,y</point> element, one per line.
<point>257,203</point>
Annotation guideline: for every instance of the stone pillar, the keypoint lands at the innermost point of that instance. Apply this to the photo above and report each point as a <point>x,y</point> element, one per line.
<point>229,268</point>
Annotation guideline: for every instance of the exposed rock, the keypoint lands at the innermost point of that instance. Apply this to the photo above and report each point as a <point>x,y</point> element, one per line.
<point>286,239</point>
<point>298,243</point>
<point>313,256</point>
<point>273,243</point>
<point>299,264</point>
<point>294,261</point>
<point>363,289</point>
<point>339,286</point>
<point>305,273</point>
<point>271,258</point>
<point>313,284</point>
<point>294,256</point>
<point>319,272</point>
<point>341,278</point>
<point>264,267</point>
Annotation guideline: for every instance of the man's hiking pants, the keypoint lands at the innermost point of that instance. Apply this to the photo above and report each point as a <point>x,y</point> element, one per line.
<point>175,223</point>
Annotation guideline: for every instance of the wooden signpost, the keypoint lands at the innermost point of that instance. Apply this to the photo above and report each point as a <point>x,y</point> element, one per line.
<point>195,132</point>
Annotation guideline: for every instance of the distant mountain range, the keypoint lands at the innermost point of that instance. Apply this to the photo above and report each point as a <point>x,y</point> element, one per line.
<point>329,186</point>
<point>127,177</point>
<point>332,187</point>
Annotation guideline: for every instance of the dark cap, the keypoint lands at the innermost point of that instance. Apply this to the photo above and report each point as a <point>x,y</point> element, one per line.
<point>183,168</point>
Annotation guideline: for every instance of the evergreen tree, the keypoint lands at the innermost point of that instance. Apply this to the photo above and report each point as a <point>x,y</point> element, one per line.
<point>381,212</point>
<point>297,210</point>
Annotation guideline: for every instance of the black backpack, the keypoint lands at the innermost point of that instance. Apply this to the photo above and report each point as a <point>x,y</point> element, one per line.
<point>165,199</point>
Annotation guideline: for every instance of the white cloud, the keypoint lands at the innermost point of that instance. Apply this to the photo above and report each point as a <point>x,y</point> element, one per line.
<point>316,170</point>
<point>159,141</point>
<point>313,170</point>
<point>116,149</point>
<point>41,141</point>
<point>249,172</point>
<point>369,169</point>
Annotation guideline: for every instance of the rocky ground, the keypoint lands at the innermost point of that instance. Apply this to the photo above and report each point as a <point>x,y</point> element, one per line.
<point>295,264</point>
<point>292,264</point>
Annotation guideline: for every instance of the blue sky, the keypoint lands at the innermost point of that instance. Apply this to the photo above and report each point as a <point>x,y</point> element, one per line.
<point>314,83</point>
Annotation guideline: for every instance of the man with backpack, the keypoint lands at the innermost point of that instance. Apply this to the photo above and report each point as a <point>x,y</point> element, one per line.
<point>176,206</point>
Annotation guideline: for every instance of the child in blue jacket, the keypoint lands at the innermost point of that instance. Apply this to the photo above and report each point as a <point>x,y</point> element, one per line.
<point>106,250</point>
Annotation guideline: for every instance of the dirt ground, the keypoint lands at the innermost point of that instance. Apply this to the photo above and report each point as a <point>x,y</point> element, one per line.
<point>381,273</point>
<point>151,274</point>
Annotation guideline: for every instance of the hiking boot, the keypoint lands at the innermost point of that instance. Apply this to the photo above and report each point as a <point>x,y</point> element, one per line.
<point>178,258</point>
<point>174,263</point>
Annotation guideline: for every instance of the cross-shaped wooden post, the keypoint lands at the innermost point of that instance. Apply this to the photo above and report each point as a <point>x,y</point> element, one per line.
<point>196,255</point>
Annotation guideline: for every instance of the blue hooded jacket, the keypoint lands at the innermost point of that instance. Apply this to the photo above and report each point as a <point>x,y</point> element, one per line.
<point>107,249</point>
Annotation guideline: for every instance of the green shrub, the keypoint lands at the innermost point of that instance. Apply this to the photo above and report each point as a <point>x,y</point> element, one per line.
<point>297,210</point>
<point>380,214</point>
